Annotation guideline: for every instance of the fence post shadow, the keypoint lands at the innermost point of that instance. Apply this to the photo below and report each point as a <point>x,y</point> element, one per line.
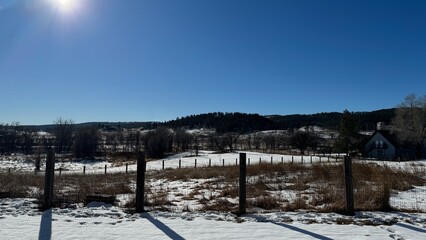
<point>45,232</point>
<point>164,228</point>
<point>303,231</point>
<point>413,228</point>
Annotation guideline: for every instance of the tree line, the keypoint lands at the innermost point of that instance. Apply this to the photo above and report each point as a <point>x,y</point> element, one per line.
<point>245,123</point>
<point>234,131</point>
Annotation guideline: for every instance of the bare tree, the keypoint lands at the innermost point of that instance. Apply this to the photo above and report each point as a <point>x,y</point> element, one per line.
<point>410,121</point>
<point>282,141</point>
<point>9,137</point>
<point>27,141</point>
<point>219,142</point>
<point>182,139</point>
<point>158,142</point>
<point>63,132</point>
<point>257,140</point>
<point>86,141</point>
<point>232,140</point>
<point>304,140</point>
<point>270,142</point>
<point>196,144</point>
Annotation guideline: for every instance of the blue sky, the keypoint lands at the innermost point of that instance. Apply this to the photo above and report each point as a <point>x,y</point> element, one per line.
<point>142,60</point>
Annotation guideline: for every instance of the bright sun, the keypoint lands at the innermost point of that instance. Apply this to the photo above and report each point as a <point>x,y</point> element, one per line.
<point>66,6</point>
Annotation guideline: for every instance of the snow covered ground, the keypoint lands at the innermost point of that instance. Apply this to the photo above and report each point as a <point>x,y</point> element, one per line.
<point>414,199</point>
<point>20,219</point>
<point>20,163</point>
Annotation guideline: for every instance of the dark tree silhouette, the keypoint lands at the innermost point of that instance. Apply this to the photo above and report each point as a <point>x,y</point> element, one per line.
<point>303,141</point>
<point>348,132</point>
<point>410,122</point>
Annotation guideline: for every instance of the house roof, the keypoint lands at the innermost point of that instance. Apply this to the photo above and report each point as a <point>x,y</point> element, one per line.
<point>392,138</point>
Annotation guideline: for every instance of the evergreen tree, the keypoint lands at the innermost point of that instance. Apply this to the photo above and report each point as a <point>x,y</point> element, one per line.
<point>348,132</point>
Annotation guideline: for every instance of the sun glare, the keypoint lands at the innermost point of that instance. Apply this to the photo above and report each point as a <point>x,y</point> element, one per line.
<point>66,6</point>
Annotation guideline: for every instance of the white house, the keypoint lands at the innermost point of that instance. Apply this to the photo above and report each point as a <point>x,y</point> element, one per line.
<point>384,145</point>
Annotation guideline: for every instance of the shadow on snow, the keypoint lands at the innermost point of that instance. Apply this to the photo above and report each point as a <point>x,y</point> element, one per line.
<point>45,232</point>
<point>164,228</point>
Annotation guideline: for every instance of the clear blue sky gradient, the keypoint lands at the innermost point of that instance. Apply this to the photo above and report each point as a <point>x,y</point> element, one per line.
<point>141,60</point>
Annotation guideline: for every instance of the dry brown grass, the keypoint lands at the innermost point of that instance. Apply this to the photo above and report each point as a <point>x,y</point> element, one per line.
<point>318,187</point>
<point>265,202</point>
<point>121,158</point>
<point>15,185</point>
<point>75,188</point>
<point>68,188</point>
<point>298,204</point>
<point>184,174</point>
<point>220,205</point>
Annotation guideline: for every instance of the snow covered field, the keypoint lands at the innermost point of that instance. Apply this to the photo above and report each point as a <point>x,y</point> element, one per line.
<point>413,199</point>
<point>19,219</point>
<point>20,163</point>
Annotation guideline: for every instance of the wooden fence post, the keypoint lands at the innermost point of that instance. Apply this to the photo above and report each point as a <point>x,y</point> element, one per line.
<point>180,163</point>
<point>105,169</point>
<point>162,165</point>
<point>292,159</point>
<point>127,168</point>
<point>249,161</point>
<point>311,159</point>
<point>302,159</point>
<point>210,162</point>
<point>349,191</point>
<point>260,160</point>
<point>195,163</point>
<point>140,183</point>
<point>84,170</point>
<point>223,162</point>
<point>49,179</point>
<point>282,159</point>
<point>243,172</point>
<point>272,159</point>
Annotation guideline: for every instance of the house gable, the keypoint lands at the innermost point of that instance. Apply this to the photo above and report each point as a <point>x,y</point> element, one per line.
<point>380,146</point>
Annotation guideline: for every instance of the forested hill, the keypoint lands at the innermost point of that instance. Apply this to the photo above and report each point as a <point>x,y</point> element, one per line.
<point>242,122</point>
<point>224,122</point>
<point>331,120</point>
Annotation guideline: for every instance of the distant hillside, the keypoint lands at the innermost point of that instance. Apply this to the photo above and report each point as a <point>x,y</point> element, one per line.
<point>224,122</point>
<point>369,120</point>
<point>326,120</point>
<point>331,120</point>
<point>242,122</point>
